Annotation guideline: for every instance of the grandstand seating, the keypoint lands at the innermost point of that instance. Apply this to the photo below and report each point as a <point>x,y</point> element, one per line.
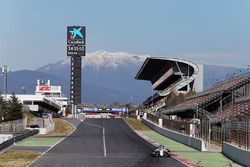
<point>233,111</point>
<point>216,90</point>
<point>214,94</point>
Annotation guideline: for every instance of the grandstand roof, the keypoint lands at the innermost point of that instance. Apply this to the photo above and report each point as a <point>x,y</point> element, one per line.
<point>153,68</point>
<point>164,72</point>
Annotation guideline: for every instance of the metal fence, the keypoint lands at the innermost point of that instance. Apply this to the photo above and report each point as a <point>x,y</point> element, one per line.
<point>153,118</point>
<point>234,132</point>
<point>175,125</point>
<point>203,129</point>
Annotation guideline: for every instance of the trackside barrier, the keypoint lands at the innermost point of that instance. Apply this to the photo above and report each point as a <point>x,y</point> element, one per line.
<point>5,137</point>
<point>25,135</point>
<point>237,154</point>
<point>195,143</point>
<point>17,138</point>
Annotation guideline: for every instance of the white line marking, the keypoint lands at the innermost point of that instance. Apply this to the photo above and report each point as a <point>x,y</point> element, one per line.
<point>104,143</point>
<point>53,145</point>
<point>103,137</point>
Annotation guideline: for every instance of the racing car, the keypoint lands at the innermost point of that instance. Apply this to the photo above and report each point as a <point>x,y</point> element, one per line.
<point>161,152</point>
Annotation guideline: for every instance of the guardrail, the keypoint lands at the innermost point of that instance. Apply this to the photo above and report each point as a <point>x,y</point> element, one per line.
<point>193,142</point>
<point>17,138</point>
<point>237,154</point>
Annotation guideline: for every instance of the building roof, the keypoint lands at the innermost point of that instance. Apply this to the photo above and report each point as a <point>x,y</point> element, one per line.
<point>163,72</point>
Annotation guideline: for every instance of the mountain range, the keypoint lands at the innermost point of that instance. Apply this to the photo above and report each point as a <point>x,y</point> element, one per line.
<point>106,77</point>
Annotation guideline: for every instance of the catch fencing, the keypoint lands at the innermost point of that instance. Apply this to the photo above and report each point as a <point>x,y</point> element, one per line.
<point>180,126</point>
<point>234,132</point>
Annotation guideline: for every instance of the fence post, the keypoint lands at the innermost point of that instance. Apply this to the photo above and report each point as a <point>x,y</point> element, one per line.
<point>145,115</point>
<point>160,122</point>
<point>136,112</point>
<point>246,133</point>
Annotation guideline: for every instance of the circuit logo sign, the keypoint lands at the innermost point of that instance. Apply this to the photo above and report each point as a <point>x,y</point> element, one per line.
<point>76,35</point>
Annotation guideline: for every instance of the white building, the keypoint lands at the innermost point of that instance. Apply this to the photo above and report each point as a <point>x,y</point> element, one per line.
<point>47,98</point>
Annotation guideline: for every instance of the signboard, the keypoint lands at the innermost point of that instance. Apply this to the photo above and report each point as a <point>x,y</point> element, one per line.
<point>76,41</point>
<point>76,35</point>
<point>89,109</point>
<point>78,50</point>
<point>44,88</point>
<point>94,109</point>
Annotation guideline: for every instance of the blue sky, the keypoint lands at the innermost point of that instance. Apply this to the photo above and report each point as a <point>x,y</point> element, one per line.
<point>33,33</point>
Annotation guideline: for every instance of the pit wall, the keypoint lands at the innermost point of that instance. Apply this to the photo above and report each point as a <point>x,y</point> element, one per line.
<point>195,143</point>
<point>236,154</point>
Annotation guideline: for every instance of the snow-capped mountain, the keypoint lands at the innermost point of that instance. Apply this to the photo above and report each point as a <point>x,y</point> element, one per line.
<point>102,59</point>
<point>114,71</point>
<point>106,77</point>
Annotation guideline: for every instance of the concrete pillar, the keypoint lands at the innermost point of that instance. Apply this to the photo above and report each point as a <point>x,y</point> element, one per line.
<point>160,122</point>
<point>145,115</point>
<point>136,112</point>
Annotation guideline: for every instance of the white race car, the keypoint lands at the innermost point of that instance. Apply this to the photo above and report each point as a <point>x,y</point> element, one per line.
<point>161,152</point>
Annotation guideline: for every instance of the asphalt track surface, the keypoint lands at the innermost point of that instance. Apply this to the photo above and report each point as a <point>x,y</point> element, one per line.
<point>103,143</point>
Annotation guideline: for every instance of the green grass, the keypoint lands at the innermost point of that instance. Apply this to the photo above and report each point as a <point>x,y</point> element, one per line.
<point>61,128</point>
<point>136,124</point>
<point>39,141</point>
<point>206,159</point>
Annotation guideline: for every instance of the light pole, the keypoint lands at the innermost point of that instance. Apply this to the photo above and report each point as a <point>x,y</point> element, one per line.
<point>5,76</point>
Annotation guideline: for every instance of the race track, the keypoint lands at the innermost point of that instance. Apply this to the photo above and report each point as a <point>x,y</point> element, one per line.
<point>103,143</point>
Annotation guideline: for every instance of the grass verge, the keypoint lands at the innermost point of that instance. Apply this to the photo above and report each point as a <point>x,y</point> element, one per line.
<point>205,159</point>
<point>39,141</point>
<point>29,116</point>
<point>17,158</point>
<point>61,128</point>
<point>136,124</point>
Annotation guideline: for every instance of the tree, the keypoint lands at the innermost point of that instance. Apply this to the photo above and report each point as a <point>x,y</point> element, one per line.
<point>190,93</point>
<point>175,98</point>
<point>172,99</point>
<point>128,105</point>
<point>3,108</point>
<point>117,104</point>
<point>14,111</point>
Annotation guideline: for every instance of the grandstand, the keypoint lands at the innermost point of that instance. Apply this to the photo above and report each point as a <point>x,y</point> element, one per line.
<point>213,112</point>
<point>168,75</point>
<point>224,101</point>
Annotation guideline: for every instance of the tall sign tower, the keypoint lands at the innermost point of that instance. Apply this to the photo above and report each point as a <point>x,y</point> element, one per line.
<point>76,44</point>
